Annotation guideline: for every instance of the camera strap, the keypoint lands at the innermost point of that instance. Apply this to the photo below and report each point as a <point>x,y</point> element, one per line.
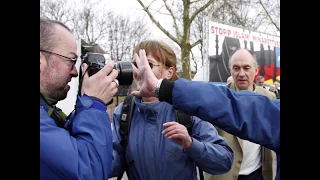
<point>54,112</point>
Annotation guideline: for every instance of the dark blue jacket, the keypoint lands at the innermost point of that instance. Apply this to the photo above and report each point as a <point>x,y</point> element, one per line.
<point>157,157</point>
<point>81,151</point>
<point>245,114</point>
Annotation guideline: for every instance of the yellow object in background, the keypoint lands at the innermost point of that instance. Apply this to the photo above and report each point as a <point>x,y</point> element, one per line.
<point>270,81</point>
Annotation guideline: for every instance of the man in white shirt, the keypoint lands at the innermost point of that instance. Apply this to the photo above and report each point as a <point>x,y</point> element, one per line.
<point>251,161</point>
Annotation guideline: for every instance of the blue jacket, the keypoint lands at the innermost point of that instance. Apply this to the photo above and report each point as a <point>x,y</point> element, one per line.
<point>81,151</point>
<point>245,114</point>
<point>156,157</point>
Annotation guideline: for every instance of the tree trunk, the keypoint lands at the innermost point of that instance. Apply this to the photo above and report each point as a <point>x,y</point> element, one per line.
<point>185,58</point>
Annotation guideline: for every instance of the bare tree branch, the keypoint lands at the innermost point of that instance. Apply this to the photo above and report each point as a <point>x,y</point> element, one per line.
<point>194,61</point>
<point>270,18</point>
<point>235,14</point>
<point>158,24</point>
<point>200,10</point>
<point>196,43</point>
<point>183,24</point>
<point>191,2</point>
<point>94,24</point>
<point>57,10</point>
<point>174,19</point>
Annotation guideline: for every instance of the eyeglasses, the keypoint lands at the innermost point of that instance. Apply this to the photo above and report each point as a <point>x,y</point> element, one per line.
<point>73,60</point>
<point>150,64</point>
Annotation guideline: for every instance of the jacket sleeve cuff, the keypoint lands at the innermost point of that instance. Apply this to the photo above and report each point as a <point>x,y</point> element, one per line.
<point>195,150</point>
<point>98,104</point>
<point>165,91</point>
<point>86,102</point>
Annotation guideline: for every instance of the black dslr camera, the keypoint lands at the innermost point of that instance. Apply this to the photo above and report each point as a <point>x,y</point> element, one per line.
<point>97,61</point>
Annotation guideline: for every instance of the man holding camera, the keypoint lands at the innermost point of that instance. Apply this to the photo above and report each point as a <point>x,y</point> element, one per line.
<point>79,146</point>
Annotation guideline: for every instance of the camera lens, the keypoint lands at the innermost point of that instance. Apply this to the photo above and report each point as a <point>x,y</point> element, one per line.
<point>125,72</point>
<point>97,61</point>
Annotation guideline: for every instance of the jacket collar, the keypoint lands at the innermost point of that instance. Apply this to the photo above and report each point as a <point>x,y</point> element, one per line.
<point>146,107</point>
<point>233,86</point>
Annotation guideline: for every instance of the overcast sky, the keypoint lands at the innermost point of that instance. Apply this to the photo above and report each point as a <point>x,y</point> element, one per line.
<point>123,5</point>
<point>133,8</point>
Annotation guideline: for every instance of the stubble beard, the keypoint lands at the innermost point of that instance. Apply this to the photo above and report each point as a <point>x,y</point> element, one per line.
<point>54,91</point>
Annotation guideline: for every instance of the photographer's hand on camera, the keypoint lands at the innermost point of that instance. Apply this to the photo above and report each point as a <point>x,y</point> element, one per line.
<point>102,85</point>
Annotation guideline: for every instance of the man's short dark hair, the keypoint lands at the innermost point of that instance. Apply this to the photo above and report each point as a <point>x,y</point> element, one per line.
<point>47,33</point>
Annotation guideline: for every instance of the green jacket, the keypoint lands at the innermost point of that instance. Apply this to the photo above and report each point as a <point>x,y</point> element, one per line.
<point>267,155</point>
